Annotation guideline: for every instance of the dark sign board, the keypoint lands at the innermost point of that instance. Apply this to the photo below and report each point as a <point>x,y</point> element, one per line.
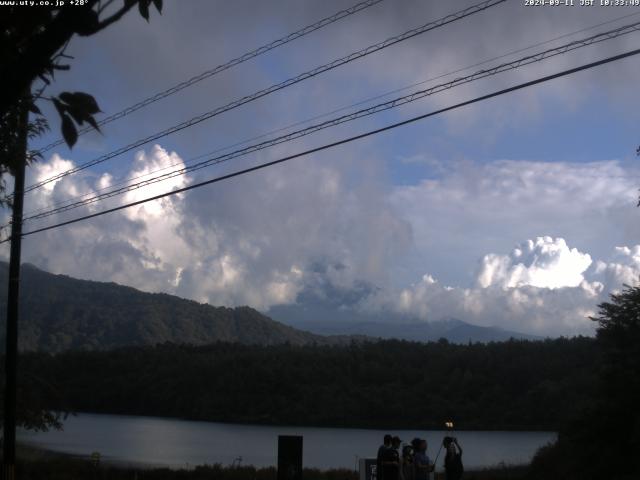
<point>368,469</point>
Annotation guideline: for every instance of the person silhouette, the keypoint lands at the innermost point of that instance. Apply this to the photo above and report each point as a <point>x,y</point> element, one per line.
<point>453,458</point>
<point>382,453</point>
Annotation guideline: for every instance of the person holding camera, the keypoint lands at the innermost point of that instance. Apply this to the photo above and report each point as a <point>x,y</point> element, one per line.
<point>453,458</point>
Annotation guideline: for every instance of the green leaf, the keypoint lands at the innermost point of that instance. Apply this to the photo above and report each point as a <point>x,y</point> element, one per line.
<point>82,101</point>
<point>33,108</point>
<point>93,123</point>
<point>60,107</point>
<point>158,4</point>
<point>69,132</point>
<point>143,6</point>
<point>90,104</point>
<point>66,97</point>
<point>77,114</point>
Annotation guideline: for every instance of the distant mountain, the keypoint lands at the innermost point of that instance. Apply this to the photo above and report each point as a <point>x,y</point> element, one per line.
<point>455,331</point>
<point>60,313</point>
<point>324,309</point>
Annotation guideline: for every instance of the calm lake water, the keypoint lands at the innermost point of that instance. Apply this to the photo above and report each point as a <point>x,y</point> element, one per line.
<point>178,443</point>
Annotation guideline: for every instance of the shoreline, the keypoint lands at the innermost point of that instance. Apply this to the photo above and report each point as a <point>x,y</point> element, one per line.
<point>435,429</point>
<point>209,443</point>
<point>33,462</point>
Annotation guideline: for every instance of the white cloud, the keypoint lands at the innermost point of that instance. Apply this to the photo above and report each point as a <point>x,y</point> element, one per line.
<point>543,287</point>
<point>41,171</point>
<point>474,208</point>
<point>277,225</point>
<point>253,240</point>
<point>258,240</point>
<point>244,242</point>
<point>544,262</point>
<point>622,268</point>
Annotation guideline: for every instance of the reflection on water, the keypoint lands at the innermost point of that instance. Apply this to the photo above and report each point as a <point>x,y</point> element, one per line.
<point>177,443</point>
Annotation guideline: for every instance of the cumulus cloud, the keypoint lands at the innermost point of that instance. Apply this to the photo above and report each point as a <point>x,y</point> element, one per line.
<point>277,226</point>
<point>271,239</point>
<point>472,208</point>
<point>542,287</point>
<point>259,240</point>
<point>622,268</point>
<point>252,241</point>
<point>544,262</point>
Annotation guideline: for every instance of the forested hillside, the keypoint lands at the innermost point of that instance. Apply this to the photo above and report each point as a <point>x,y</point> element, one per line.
<point>512,385</point>
<point>60,313</point>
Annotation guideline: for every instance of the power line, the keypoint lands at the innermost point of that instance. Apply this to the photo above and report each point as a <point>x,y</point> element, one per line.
<point>341,142</point>
<point>279,86</point>
<point>571,46</point>
<point>124,181</point>
<point>359,114</point>
<point>225,66</point>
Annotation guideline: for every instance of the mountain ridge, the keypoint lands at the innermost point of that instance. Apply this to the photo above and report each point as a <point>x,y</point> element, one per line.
<point>453,330</point>
<point>59,313</point>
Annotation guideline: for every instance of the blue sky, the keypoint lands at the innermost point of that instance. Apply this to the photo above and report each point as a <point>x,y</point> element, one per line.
<point>425,213</point>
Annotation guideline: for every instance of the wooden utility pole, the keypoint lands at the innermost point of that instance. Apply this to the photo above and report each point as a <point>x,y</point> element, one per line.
<point>11,351</point>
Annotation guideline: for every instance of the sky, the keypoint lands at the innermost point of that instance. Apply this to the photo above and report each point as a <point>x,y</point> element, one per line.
<point>517,212</point>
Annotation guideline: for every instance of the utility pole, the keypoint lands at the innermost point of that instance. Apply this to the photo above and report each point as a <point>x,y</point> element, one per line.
<point>11,350</point>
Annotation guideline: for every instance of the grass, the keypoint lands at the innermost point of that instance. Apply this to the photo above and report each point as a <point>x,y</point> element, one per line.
<point>36,464</point>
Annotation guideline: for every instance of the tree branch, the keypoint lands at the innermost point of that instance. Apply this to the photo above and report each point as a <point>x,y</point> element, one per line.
<point>115,17</point>
<point>102,8</point>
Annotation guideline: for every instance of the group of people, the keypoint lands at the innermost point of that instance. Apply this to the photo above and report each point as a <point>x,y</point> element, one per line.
<point>412,462</point>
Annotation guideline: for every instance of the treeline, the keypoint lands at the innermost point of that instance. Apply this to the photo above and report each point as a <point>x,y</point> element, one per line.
<point>388,384</point>
<point>604,440</point>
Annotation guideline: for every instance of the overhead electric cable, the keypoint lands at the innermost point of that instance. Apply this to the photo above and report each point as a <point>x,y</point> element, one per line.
<point>124,181</point>
<point>352,116</point>
<point>225,66</point>
<point>520,86</point>
<point>279,86</point>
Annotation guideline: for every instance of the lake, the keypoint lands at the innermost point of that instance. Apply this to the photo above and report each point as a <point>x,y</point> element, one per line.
<point>178,443</point>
